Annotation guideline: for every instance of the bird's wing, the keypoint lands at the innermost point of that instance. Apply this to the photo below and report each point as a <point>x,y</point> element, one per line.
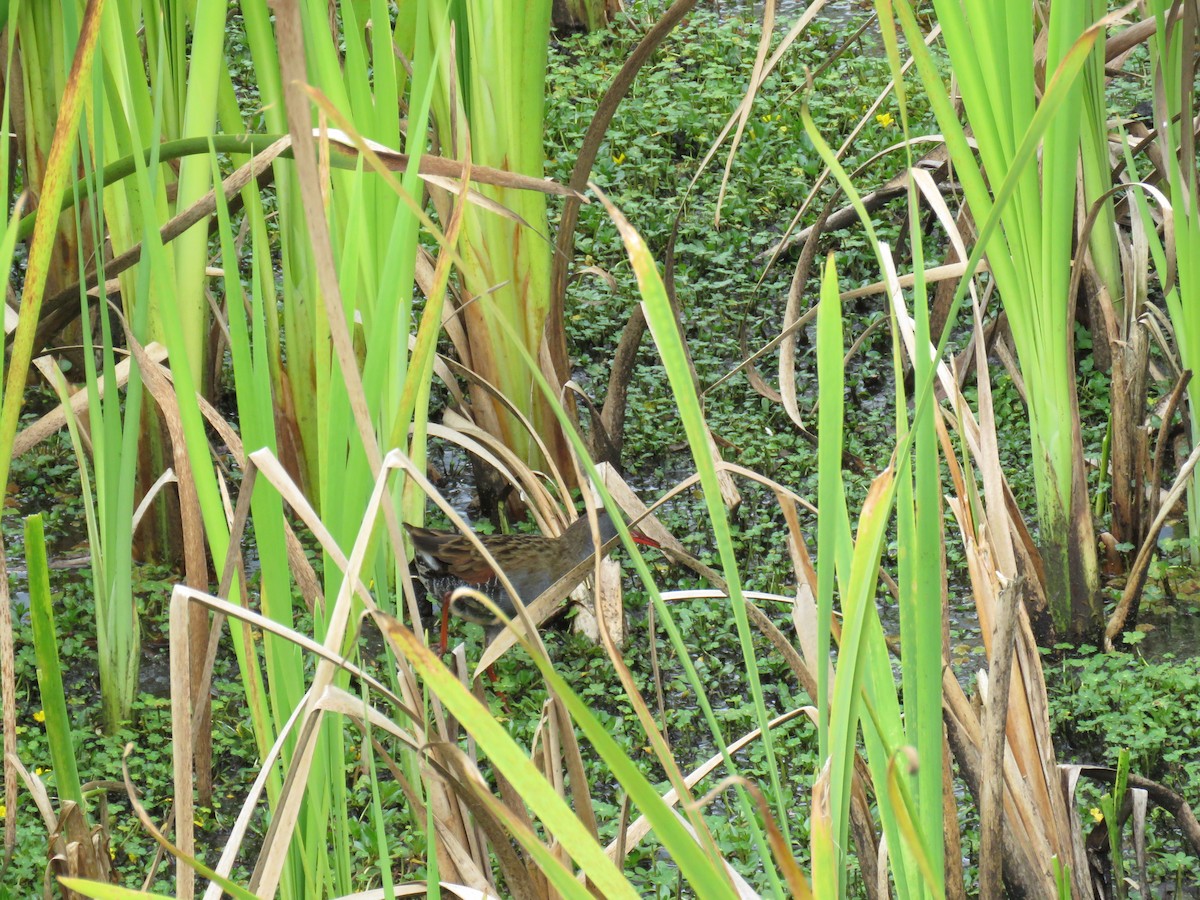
<point>450,554</point>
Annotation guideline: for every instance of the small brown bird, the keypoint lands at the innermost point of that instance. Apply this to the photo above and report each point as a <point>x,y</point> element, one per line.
<point>447,560</point>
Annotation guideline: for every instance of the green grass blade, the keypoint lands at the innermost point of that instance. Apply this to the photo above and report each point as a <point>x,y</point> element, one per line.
<point>49,667</point>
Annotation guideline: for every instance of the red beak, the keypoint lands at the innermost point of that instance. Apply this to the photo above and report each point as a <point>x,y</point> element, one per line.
<point>639,538</point>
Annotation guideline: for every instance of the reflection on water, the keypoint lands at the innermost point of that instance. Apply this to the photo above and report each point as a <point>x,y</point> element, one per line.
<point>786,11</point>
<point>1177,633</point>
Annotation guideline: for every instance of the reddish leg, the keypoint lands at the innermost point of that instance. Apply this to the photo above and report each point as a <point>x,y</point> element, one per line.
<point>445,638</point>
<point>490,671</point>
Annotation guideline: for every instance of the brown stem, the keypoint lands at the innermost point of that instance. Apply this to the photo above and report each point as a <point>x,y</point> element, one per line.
<point>1161,443</point>
<point>1185,816</point>
<point>612,417</point>
<point>63,308</point>
<point>564,246</point>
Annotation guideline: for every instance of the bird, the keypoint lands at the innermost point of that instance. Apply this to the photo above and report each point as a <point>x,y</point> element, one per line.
<point>447,560</point>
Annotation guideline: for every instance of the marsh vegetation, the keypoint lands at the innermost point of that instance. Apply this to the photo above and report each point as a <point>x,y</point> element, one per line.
<point>710,265</point>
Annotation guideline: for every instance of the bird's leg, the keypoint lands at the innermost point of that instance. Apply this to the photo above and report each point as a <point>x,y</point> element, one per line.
<point>445,635</point>
<point>490,633</point>
<point>490,671</point>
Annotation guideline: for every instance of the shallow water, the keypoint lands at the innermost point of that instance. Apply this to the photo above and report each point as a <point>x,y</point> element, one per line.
<point>786,11</point>
<point>1175,631</point>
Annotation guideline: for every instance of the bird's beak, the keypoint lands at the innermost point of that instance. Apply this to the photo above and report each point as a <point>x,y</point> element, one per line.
<point>639,538</point>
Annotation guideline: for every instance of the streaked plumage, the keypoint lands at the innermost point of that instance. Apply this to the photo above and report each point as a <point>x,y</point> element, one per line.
<point>532,562</point>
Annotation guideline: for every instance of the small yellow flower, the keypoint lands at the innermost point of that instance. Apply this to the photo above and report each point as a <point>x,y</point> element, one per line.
<point>3,811</point>
<point>766,118</point>
<point>39,716</point>
<point>618,158</point>
<point>40,771</point>
<point>885,120</point>
<point>1096,815</point>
